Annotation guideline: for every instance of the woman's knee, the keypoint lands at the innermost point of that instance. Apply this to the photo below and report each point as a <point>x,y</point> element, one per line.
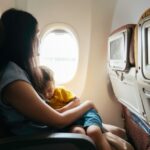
<point>115,130</point>
<point>77,129</point>
<point>94,132</point>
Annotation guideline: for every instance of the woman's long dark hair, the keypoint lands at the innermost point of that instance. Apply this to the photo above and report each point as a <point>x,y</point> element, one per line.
<point>17,41</point>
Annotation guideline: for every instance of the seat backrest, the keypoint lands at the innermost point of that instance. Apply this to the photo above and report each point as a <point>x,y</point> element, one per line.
<point>124,81</point>
<point>143,61</point>
<point>136,134</point>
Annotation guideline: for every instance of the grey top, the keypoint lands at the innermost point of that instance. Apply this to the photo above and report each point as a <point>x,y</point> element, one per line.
<point>16,122</point>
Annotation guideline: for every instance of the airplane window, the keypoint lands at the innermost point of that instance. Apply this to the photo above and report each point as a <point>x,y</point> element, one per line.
<point>59,51</point>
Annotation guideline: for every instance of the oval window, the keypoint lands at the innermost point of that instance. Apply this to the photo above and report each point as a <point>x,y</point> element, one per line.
<point>59,51</point>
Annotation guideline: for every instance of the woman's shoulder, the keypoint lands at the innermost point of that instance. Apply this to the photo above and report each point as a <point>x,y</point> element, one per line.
<point>13,67</point>
<point>12,72</point>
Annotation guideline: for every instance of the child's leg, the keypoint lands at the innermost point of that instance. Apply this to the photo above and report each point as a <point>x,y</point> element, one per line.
<point>115,130</point>
<point>97,136</point>
<point>118,142</point>
<point>77,129</point>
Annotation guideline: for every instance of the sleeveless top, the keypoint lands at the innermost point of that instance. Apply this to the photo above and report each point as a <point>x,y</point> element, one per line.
<point>17,123</point>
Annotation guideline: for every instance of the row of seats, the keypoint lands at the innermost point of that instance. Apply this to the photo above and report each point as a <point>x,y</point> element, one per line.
<point>129,72</point>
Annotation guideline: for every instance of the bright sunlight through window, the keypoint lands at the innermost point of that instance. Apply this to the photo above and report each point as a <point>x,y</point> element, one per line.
<point>59,51</point>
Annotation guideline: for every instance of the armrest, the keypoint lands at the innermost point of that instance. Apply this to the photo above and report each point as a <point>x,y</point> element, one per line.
<point>53,141</point>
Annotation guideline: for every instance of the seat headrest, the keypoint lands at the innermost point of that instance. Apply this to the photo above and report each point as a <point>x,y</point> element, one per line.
<point>145,15</point>
<point>127,26</point>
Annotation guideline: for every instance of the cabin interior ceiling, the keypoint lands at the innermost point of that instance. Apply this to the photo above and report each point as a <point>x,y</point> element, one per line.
<point>93,20</point>
<point>127,11</point>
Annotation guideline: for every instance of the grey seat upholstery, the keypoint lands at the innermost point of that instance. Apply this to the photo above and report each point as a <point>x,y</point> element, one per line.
<point>54,141</point>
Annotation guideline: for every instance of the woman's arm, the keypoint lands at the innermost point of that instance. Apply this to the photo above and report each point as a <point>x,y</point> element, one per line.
<point>74,103</point>
<point>22,96</point>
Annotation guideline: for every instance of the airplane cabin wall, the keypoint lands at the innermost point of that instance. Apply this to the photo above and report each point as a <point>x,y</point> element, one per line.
<point>6,4</point>
<point>96,87</point>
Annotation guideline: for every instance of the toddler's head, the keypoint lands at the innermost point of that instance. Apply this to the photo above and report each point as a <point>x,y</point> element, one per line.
<point>48,83</point>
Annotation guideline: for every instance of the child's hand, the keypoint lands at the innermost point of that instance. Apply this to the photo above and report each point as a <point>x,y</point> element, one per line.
<point>74,103</point>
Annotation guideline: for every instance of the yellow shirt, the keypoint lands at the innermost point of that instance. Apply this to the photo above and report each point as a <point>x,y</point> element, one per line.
<point>60,98</point>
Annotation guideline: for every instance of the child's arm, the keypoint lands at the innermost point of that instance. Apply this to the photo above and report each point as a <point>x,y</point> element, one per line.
<point>75,102</point>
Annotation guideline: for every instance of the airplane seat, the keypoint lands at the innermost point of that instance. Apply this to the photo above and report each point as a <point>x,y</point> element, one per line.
<point>137,125</point>
<point>125,86</point>
<point>122,67</point>
<point>44,141</point>
<point>134,128</point>
<point>143,61</point>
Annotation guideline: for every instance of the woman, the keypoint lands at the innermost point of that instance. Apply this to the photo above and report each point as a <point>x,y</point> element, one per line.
<point>21,106</point>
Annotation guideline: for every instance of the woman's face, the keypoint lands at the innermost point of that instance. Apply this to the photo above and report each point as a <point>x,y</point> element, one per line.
<point>37,43</point>
<point>36,46</point>
<point>49,90</point>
